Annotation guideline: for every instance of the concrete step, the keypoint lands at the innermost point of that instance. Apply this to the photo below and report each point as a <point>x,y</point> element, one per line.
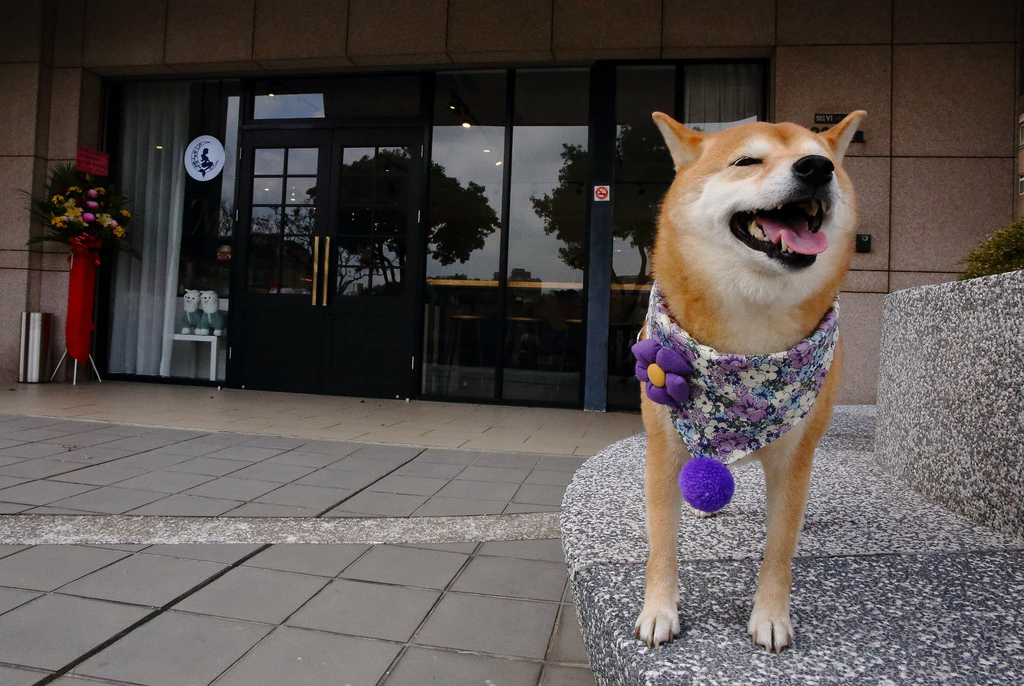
<point>888,587</point>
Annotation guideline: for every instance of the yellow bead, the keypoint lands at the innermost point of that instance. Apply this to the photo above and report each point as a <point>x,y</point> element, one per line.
<point>656,374</point>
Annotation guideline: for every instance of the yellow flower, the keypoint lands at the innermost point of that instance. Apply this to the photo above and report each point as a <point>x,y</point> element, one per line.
<point>119,232</point>
<point>126,213</point>
<point>76,189</point>
<point>101,191</point>
<point>56,220</point>
<point>73,211</point>
<point>57,199</point>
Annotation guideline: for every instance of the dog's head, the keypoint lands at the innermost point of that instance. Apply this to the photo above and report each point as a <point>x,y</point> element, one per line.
<point>765,207</point>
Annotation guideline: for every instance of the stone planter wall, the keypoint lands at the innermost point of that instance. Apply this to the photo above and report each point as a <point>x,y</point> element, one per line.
<point>951,396</point>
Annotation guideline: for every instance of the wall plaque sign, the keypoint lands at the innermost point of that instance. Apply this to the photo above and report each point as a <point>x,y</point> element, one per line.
<point>204,158</point>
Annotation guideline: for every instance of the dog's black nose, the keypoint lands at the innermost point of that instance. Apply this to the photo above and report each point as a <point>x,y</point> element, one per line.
<point>814,170</point>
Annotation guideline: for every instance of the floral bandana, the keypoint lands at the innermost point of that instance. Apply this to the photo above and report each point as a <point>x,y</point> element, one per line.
<point>730,405</point>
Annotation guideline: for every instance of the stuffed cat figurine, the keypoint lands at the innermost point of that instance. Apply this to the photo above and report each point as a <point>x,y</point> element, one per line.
<point>193,317</point>
<point>213,318</point>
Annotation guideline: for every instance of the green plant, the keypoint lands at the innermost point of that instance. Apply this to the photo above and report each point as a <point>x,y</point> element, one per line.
<point>1003,252</point>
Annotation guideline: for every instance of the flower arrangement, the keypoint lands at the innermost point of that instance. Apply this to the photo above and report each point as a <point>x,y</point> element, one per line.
<point>83,213</point>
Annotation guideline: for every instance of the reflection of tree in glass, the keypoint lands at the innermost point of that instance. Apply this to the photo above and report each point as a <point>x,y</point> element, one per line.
<point>564,210</point>
<point>378,260</point>
<point>460,217</point>
<point>643,149</point>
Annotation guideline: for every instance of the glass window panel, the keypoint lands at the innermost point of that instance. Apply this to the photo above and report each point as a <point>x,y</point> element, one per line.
<point>300,220</point>
<point>263,276</point>
<point>393,161</point>
<point>346,96</point>
<point>289,106</point>
<point>643,172</point>
<point>544,343</point>
<point>356,221</point>
<point>264,248</point>
<point>473,97</point>
<point>356,190</point>
<point>390,222</point>
<point>642,90</point>
<point>268,161</point>
<point>373,96</point>
<point>297,265</point>
<point>389,255</point>
<point>354,252</point>
<point>353,281</point>
<point>300,190</point>
<point>387,281</point>
<point>717,96</point>
<point>547,236</point>
<point>302,160</point>
<point>462,328</point>
<point>357,160</point>
<point>392,190</point>
<point>265,220</point>
<point>267,191</point>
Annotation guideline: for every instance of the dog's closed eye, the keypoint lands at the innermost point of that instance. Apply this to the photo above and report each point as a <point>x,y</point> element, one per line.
<point>746,161</point>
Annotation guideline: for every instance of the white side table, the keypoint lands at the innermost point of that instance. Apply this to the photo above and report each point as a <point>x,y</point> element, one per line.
<point>214,342</point>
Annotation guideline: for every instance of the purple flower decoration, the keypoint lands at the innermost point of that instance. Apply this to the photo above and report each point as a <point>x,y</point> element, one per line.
<point>662,370</point>
<point>88,217</point>
<point>92,193</point>
<point>734,363</point>
<point>752,408</point>
<point>92,204</point>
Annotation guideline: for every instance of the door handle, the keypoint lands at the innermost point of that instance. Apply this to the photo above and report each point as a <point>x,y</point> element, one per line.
<point>316,265</point>
<point>327,269</point>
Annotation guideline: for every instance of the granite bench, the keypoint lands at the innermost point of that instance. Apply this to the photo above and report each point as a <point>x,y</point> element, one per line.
<point>951,395</point>
<point>889,588</point>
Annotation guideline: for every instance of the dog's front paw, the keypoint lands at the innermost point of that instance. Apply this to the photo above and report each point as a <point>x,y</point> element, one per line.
<point>657,625</point>
<point>771,630</point>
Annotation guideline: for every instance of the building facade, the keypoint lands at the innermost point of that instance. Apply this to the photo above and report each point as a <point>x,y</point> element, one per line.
<point>455,199</point>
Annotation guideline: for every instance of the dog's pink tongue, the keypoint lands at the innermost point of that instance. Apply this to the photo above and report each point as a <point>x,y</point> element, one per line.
<point>798,237</point>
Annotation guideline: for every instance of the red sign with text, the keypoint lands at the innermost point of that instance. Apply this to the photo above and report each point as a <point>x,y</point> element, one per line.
<point>89,161</point>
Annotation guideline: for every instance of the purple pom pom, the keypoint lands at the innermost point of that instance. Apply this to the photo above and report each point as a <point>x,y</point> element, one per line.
<point>706,484</point>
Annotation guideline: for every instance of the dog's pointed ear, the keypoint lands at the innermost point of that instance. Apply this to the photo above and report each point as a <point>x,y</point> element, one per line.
<point>840,135</point>
<point>684,144</point>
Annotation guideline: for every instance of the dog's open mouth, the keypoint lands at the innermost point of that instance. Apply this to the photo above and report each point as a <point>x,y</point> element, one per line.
<point>787,233</point>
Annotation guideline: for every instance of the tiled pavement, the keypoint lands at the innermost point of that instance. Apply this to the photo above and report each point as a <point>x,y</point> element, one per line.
<point>56,466</point>
<point>454,613</point>
<point>182,615</point>
<point>336,418</point>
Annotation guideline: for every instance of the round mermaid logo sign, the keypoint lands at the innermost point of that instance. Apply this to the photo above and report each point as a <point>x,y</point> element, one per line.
<point>204,158</point>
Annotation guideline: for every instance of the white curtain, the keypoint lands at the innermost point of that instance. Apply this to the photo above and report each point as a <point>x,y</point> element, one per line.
<point>721,95</point>
<point>153,139</point>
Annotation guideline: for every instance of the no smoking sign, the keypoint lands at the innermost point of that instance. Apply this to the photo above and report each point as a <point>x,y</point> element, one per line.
<point>602,193</point>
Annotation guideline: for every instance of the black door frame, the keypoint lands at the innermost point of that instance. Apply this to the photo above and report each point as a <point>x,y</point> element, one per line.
<point>330,140</point>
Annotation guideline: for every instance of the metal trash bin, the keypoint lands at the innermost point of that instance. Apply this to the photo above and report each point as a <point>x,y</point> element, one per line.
<point>35,347</point>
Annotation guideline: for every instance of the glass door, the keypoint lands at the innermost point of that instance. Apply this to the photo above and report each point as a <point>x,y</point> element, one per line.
<point>374,263</point>
<point>278,328</point>
<point>330,262</point>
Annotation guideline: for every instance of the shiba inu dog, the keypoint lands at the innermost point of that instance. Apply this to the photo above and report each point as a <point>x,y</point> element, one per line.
<point>754,238</point>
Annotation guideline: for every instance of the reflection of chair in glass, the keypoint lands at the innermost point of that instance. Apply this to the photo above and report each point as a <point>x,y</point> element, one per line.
<point>527,330</point>
<point>457,339</point>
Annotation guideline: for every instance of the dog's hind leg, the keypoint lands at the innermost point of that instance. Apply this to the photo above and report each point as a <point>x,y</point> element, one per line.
<point>659,621</point>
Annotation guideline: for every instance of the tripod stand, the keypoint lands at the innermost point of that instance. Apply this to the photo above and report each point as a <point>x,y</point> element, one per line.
<point>74,375</point>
